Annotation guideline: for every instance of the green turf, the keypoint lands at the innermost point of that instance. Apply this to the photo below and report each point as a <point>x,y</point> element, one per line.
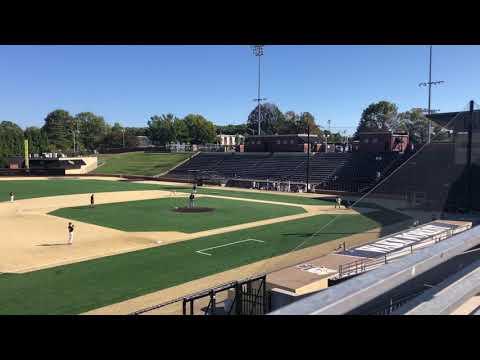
<point>84,286</point>
<point>265,196</point>
<point>26,189</point>
<point>158,214</point>
<point>139,163</point>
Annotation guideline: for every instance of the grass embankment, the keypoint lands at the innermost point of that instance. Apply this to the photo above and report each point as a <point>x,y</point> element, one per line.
<point>138,163</point>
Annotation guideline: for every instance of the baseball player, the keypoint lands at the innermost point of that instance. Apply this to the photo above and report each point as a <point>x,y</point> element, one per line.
<point>12,197</point>
<point>338,202</point>
<point>192,198</point>
<point>92,201</point>
<point>70,233</point>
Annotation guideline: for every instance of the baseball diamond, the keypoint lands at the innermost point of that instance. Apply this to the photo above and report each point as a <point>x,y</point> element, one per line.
<point>131,243</point>
<point>318,199</point>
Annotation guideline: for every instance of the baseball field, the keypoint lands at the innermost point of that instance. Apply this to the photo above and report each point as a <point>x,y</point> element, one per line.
<point>134,243</point>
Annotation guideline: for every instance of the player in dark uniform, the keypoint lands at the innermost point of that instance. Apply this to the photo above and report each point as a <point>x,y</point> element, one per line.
<point>70,233</point>
<point>192,198</point>
<point>92,201</point>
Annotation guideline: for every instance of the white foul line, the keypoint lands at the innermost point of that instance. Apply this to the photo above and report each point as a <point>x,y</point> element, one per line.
<point>219,246</point>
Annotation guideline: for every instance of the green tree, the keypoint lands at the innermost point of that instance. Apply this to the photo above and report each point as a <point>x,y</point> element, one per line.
<point>232,129</point>
<point>11,140</point>
<point>92,129</point>
<point>37,140</point>
<point>137,131</point>
<point>307,121</point>
<point>200,130</point>
<point>161,129</point>
<point>378,116</point>
<point>114,136</point>
<point>289,123</point>
<point>415,123</point>
<point>58,127</point>
<point>271,120</point>
<point>181,131</point>
<point>333,137</point>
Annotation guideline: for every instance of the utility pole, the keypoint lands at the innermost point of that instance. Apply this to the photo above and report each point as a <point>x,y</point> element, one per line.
<point>258,52</point>
<point>429,84</point>
<point>123,137</point>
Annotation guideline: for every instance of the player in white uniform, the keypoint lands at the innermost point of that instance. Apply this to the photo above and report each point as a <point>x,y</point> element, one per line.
<point>339,202</point>
<point>12,197</point>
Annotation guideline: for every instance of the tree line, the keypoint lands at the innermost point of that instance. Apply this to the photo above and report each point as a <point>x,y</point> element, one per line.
<point>91,132</point>
<point>384,115</point>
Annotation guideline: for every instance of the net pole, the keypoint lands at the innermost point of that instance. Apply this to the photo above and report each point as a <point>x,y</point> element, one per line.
<point>469,159</point>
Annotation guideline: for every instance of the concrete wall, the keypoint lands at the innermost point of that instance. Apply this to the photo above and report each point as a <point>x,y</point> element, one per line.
<point>91,164</point>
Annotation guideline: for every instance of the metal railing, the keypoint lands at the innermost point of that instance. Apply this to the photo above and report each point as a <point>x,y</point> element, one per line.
<point>360,290</point>
<point>359,266</point>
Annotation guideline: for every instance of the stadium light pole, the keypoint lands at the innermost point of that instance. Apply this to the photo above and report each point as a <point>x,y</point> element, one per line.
<point>123,137</point>
<point>429,84</point>
<point>258,52</point>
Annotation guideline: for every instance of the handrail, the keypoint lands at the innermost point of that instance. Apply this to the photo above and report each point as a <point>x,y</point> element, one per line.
<point>351,294</point>
<point>347,269</point>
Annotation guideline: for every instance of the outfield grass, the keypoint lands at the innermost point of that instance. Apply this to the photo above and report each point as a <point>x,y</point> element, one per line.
<point>27,189</point>
<point>264,196</point>
<point>77,288</point>
<point>139,163</point>
<point>158,214</point>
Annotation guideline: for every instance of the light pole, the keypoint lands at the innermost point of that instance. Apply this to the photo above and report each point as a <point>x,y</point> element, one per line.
<point>429,84</point>
<point>123,138</point>
<point>258,52</point>
<point>73,132</point>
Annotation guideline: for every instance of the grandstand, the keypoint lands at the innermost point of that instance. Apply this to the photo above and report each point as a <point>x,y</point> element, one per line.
<point>439,182</point>
<point>352,172</point>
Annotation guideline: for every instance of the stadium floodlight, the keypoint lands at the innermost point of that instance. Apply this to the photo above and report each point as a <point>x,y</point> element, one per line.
<point>429,84</point>
<point>258,52</point>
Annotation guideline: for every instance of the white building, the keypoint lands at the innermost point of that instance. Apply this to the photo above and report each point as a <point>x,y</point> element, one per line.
<point>230,140</point>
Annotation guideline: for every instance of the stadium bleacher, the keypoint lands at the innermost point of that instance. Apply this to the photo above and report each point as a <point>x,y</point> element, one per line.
<point>352,172</point>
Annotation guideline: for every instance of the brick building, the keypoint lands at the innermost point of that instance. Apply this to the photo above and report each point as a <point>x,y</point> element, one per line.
<point>281,143</point>
<point>381,141</point>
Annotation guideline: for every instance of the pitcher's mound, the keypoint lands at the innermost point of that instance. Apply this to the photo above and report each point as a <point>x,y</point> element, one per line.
<point>193,210</point>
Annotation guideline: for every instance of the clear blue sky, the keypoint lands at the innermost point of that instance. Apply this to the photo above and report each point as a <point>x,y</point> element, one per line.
<point>129,84</point>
